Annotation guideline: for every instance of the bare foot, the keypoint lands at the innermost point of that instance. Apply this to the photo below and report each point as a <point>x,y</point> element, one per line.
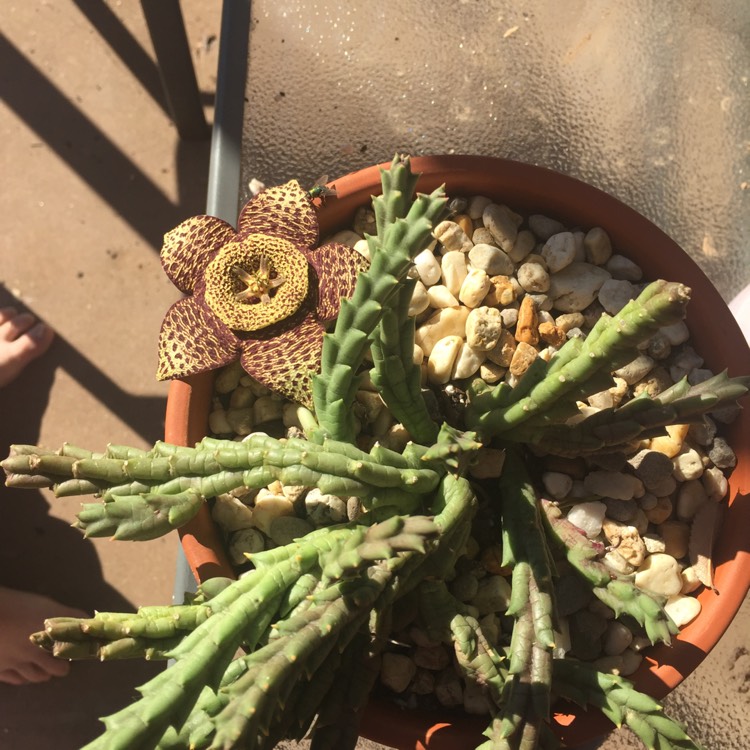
<point>22,613</point>
<point>22,339</point>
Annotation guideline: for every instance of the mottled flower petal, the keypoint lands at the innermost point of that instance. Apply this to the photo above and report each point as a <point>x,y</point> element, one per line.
<point>193,340</point>
<point>337,267</point>
<point>284,211</point>
<point>223,282</point>
<point>189,247</point>
<point>286,362</point>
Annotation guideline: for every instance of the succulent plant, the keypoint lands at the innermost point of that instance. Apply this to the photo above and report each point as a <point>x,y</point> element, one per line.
<point>311,617</point>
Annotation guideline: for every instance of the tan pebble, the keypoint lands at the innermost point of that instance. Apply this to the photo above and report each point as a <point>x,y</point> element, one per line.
<point>467,362</point>
<point>266,409</point>
<point>492,560</point>
<point>524,244</point>
<point>487,463</point>
<point>290,415</point>
<point>245,542</point>
<point>682,609</point>
<point>477,204</point>
<point>433,658</point>
<point>241,397</point>
<point>631,660</point>
<point>527,327</point>
<point>690,580</point>
<point>691,497</point>
<point>218,423</point>
<point>660,512</point>
<point>228,378</point>
<point>474,288</point>
<point>493,595</point>
<point>617,638</point>
<point>616,562</point>
<point>397,671</point>
<point>715,483</point>
<point>597,246</point>
<point>285,529</point>
<point>568,321</point>
<point>501,292</point>
<point>671,444</point>
<point>439,297</point>
<point>688,464</point>
<point>482,236</point>
<point>523,356</point>
<point>502,353</point>
<point>396,438</point>
<point>559,251</point>
<point>454,269</point>
<point>676,536</point>
<point>491,373</point>
<point>372,403</point>
<point>423,683</point>
<point>626,540</point>
<point>346,237</point>
<point>483,328</point>
<point>659,574</point>
<point>442,358</point>
<point>657,382</point>
<point>242,420</point>
<point>428,267</point>
<point>450,321</point>
<point>465,222</point>
<point>418,357</point>
<point>452,237</point>
<point>533,277</point>
<point>552,335</point>
<point>231,514</point>
<point>420,300</point>
<point>503,223</point>
<point>269,507</point>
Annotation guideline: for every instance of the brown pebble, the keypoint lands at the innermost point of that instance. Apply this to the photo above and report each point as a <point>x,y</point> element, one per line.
<point>524,355</point>
<point>552,334</point>
<point>527,327</point>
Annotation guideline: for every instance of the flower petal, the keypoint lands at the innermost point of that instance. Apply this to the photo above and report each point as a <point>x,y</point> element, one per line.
<point>189,247</point>
<point>286,362</point>
<point>337,267</point>
<point>284,211</point>
<point>193,340</point>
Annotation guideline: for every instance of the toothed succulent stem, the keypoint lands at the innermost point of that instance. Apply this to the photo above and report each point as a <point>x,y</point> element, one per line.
<point>609,345</point>
<point>402,233</point>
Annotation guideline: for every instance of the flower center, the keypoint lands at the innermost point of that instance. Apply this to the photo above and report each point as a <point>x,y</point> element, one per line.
<point>256,282</point>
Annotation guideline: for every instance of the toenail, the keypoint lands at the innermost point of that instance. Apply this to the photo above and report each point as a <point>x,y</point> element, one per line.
<point>38,331</point>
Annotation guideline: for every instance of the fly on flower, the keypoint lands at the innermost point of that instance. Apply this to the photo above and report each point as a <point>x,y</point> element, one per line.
<point>319,189</point>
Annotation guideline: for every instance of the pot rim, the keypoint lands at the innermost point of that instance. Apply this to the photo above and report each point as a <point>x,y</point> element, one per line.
<point>714,332</point>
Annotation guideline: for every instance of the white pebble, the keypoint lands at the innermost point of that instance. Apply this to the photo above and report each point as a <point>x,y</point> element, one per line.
<point>688,465</point>
<point>615,294</point>
<point>588,517</point>
<point>559,251</point>
<point>420,300</point>
<point>576,286</point>
<point>483,328</point>
<point>682,609</point>
<point>491,259</point>
<point>614,484</point>
<point>715,483</point>
<point>557,484</point>
<point>621,267</point>
<point>524,244</point>
<point>231,514</point>
<point>442,358</point>
<point>467,362</point>
<point>428,267</point>
<point>533,277</point>
<point>502,223</point>
<point>474,288</point>
<point>454,269</point>
<point>691,497</point>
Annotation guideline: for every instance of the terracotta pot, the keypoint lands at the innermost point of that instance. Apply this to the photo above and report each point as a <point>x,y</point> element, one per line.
<point>714,333</point>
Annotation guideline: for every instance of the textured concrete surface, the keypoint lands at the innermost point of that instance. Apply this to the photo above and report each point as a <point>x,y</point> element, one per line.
<point>93,174</point>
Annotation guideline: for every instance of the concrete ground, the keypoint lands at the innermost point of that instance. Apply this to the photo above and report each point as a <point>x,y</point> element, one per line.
<point>93,175</point>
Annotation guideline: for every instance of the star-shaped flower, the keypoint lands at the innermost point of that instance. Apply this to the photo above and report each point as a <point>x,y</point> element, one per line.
<point>261,293</point>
